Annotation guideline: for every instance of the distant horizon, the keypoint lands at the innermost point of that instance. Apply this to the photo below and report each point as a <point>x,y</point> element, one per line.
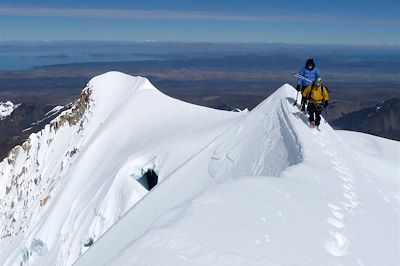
<point>340,22</point>
<point>200,42</point>
<point>43,53</point>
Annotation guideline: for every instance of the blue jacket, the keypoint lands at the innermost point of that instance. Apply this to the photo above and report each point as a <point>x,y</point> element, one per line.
<point>310,74</point>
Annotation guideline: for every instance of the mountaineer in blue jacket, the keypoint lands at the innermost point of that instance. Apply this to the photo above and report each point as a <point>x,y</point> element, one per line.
<point>310,72</point>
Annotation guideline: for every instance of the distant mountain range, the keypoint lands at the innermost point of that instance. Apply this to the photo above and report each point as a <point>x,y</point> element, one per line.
<point>381,120</point>
<point>24,119</point>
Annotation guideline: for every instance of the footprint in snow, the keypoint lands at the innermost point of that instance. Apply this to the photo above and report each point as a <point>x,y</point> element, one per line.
<point>337,245</point>
<point>337,214</point>
<point>336,223</point>
<point>334,207</point>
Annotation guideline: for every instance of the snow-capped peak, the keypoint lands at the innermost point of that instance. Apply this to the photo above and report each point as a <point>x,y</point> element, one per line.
<point>83,166</point>
<point>6,108</point>
<point>81,186</point>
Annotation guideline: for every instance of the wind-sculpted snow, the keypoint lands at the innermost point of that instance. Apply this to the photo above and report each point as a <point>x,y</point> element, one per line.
<point>253,145</point>
<point>73,180</point>
<point>72,188</point>
<point>263,143</point>
<point>326,204</point>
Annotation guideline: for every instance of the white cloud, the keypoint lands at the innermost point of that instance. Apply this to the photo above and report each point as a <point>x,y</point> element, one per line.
<point>177,15</point>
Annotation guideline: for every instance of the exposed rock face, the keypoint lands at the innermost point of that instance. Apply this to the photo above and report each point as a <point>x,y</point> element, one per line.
<point>381,120</point>
<point>32,153</point>
<point>23,121</point>
<point>75,114</point>
<point>31,118</point>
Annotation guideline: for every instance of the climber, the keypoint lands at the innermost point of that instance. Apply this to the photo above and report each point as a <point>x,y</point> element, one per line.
<point>310,73</point>
<point>317,96</point>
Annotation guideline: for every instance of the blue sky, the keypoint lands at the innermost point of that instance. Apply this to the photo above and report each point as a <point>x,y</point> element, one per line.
<point>287,21</point>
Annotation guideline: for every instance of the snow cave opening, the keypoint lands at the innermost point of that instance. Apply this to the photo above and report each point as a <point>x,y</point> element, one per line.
<point>149,179</point>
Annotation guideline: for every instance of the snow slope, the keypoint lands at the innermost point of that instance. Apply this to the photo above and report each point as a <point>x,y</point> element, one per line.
<point>70,182</point>
<point>286,195</point>
<point>339,215</point>
<point>256,188</point>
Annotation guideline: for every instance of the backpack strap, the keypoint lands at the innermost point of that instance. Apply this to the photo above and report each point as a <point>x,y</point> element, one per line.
<point>309,93</point>
<point>322,90</point>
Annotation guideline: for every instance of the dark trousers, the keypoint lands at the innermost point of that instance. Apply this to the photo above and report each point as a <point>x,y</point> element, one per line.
<point>314,111</point>
<point>303,100</point>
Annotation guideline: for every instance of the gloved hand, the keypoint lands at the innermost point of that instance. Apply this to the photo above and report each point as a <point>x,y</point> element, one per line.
<point>298,87</point>
<point>326,104</point>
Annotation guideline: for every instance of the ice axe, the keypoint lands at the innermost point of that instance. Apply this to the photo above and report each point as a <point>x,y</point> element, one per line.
<point>297,75</point>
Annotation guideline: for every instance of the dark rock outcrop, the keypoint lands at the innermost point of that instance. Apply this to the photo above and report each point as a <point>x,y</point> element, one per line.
<point>24,120</point>
<point>381,120</point>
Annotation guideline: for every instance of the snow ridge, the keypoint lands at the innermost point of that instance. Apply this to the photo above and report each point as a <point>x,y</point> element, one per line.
<point>234,152</point>
<point>33,173</point>
<point>247,188</point>
<point>56,189</point>
<point>310,200</point>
